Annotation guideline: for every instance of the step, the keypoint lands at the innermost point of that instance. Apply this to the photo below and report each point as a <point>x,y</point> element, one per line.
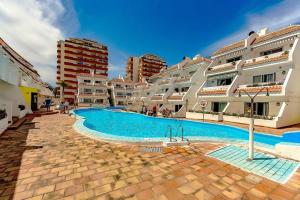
<point>17,124</point>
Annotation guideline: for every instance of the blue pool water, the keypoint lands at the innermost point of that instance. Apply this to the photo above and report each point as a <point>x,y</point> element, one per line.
<point>137,127</point>
<point>266,165</point>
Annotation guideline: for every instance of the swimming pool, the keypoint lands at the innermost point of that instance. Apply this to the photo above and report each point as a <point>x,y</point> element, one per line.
<point>115,125</point>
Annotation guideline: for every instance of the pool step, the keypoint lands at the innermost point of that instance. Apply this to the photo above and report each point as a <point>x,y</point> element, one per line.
<point>176,143</point>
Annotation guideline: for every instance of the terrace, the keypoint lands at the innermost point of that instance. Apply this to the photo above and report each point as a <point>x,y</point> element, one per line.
<point>176,96</point>
<point>269,59</point>
<point>46,159</point>
<point>221,68</point>
<point>183,79</point>
<point>274,87</point>
<point>213,91</point>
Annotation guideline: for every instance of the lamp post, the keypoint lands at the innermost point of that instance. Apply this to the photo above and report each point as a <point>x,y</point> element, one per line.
<point>251,125</point>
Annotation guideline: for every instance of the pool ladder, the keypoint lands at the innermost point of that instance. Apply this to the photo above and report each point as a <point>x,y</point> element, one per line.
<point>170,135</point>
<point>169,132</point>
<point>180,128</point>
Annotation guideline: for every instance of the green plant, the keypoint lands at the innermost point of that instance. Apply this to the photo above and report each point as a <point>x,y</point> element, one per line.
<point>3,114</point>
<point>63,85</point>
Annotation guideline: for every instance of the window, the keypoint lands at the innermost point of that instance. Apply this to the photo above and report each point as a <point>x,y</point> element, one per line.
<point>98,82</point>
<point>265,78</point>
<point>226,81</point>
<point>260,108</point>
<point>99,91</point>
<point>264,53</point>
<point>234,59</point>
<point>87,91</point>
<point>177,107</point>
<point>184,89</point>
<point>99,101</point>
<point>218,106</point>
<point>192,72</point>
<point>87,81</point>
<point>176,89</point>
<point>87,100</point>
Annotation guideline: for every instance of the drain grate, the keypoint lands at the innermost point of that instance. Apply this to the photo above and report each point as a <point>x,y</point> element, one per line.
<point>265,165</point>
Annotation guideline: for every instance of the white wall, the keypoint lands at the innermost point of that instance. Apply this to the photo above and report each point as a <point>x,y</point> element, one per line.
<point>12,94</point>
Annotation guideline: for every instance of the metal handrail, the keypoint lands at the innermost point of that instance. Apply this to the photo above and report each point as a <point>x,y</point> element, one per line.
<point>169,129</point>
<point>182,133</point>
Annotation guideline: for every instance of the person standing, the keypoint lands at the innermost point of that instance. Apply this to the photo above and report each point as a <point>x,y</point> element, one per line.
<point>48,103</point>
<point>154,110</point>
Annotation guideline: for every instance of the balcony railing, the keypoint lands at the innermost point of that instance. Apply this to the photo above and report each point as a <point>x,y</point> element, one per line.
<point>177,96</point>
<point>163,82</point>
<point>274,87</point>
<point>212,91</point>
<point>156,97</point>
<point>223,67</point>
<point>183,79</point>
<point>92,94</point>
<point>266,59</point>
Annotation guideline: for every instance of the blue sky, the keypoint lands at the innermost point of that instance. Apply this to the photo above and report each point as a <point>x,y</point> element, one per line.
<point>169,28</point>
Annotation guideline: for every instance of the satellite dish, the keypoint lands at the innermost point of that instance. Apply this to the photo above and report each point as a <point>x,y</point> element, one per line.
<point>251,32</point>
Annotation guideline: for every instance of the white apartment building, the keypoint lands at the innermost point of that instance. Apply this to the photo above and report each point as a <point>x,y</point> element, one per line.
<point>268,62</point>
<point>122,91</point>
<point>22,90</point>
<point>174,87</point>
<point>92,89</point>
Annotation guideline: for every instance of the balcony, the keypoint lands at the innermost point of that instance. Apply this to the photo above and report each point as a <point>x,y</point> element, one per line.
<point>120,96</point>
<point>177,96</point>
<point>274,87</point>
<point>119,87</point>
<point>277,57</point>
<point>157,97</point>
<point>183,79</point>
<point>221,68</point>
<point>92,85</point>
<point>164,82</point>
<point>213,91</point>
<point>92,94</point>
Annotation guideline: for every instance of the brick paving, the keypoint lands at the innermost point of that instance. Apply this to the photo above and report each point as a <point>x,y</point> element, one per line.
<point>47,159</point>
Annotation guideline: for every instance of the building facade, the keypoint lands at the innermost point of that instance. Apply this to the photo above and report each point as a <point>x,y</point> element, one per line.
<point>121,91</point>
<point>22,90</point>
<point>140,69</point>
<point>174,87</point>
<point>264,62</point>
<point>80,60</point>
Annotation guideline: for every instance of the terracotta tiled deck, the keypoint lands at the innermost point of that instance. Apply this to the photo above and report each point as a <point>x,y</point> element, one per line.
<point>48,160</point>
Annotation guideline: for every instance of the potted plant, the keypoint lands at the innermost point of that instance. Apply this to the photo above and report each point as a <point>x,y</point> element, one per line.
<point>3,114</point>
<point>21,107</point>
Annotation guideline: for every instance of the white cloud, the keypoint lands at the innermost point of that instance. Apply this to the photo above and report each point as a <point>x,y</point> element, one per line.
<point>117,62</point>
<point>32,28</point>
<point>277,16</point>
